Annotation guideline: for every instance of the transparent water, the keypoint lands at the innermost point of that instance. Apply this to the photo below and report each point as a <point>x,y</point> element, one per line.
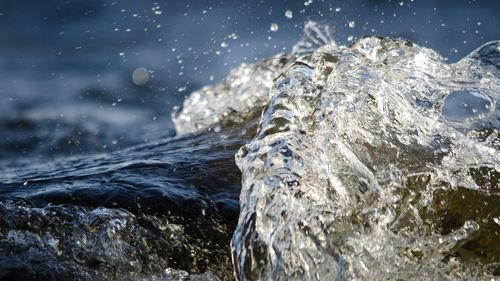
<point>374,160</point>
<point>371,161</point>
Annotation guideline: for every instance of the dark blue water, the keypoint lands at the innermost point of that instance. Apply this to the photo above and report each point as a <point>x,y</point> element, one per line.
<point>66,68</point>
<point>122,215</point>
<point>87,154</point>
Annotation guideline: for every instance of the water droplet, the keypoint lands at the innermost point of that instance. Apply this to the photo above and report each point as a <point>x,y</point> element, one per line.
<point>288,14</point>
<point>140,76</point>
<point>274,27</point>
<point>351,24</point>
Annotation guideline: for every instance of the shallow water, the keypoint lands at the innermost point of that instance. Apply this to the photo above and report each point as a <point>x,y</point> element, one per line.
<point>365,161</point>
<point>124,215</point>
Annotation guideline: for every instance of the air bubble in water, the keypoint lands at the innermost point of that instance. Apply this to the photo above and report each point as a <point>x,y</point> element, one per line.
<point>288,14</point>
<point>462,105</point>
<point>351,24</point>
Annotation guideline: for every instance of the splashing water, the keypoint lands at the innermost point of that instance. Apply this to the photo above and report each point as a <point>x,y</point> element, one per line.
<point>371,161</point>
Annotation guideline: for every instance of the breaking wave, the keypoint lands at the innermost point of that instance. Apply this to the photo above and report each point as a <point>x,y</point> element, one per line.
<point>370,161</point>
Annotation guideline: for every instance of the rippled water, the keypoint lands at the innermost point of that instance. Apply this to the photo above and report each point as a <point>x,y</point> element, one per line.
<point>127,215</point>
<point>376,160</point>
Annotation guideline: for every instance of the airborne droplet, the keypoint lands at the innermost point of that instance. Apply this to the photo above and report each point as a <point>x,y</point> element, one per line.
<point>274,27</point>
<point>140,76</point>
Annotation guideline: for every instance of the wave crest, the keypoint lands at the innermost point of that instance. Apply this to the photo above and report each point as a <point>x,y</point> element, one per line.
<point>363,161</point>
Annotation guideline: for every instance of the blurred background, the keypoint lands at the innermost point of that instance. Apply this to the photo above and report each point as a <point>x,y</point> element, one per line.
<point>92,76</point>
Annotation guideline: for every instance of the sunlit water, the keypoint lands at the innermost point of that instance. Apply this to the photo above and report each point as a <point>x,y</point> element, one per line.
<point>372,161</point>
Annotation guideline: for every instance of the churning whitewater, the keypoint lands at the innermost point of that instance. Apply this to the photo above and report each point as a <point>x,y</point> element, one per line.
<point>373,161</point>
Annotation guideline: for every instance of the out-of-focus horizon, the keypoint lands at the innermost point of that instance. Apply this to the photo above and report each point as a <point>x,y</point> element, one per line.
<point>73,74</point>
